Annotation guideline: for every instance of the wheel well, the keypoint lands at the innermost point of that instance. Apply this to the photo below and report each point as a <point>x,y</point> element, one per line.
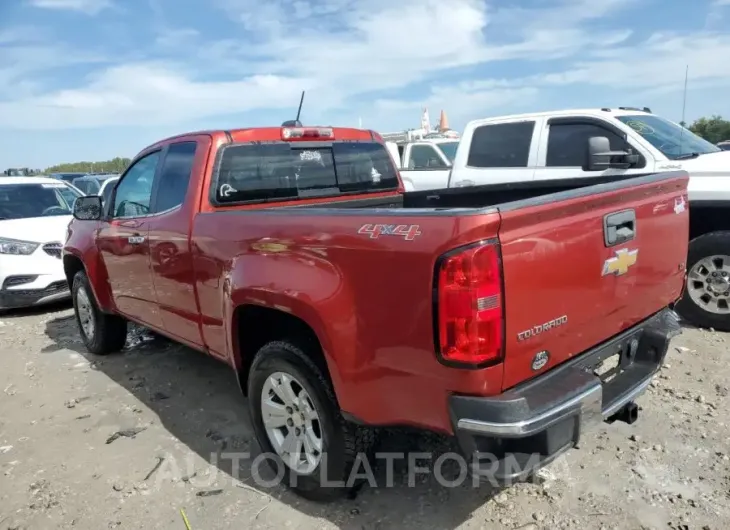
<point>71,266</point>
<point>706,219</point>
<point>256,326</point>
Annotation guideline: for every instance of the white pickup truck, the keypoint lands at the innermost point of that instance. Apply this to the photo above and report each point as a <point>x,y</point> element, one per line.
<point>607,143</point>
<point>425,163</point>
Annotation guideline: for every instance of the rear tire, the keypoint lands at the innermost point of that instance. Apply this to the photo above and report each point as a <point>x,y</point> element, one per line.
<point>102,333</point>
<point>339,440</point>
<point>698,304</point>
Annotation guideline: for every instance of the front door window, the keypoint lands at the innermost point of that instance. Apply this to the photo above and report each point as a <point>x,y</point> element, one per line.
<point>134,192</point>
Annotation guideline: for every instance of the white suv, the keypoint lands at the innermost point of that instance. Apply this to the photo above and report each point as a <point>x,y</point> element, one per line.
<point>34,215</point>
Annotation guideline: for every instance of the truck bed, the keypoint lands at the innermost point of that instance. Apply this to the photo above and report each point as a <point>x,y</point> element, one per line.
<point>510,192</point>
<point>489,195</point>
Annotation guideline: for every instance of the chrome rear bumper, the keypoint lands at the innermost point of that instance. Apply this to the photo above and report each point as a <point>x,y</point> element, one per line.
<point>508,437</point>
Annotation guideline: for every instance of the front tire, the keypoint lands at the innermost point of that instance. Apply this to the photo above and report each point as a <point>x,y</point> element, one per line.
<point>706,298</point>
<point>101,333</point>
<point>299,426</point>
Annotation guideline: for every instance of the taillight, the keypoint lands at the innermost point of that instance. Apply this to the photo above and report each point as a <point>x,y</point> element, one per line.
<point>305,133</point>
<point>469,306</point>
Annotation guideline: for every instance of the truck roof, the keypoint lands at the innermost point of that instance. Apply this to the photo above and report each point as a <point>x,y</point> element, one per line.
<point>598,112</point>
<point>268,133</point>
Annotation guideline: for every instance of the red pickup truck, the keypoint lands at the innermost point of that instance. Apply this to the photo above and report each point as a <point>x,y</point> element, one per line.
<point>344,304</point>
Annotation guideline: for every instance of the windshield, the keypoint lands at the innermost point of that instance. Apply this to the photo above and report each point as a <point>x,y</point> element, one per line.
<point>671,139</point>
<point>449,149</point>
<point>23,201</point>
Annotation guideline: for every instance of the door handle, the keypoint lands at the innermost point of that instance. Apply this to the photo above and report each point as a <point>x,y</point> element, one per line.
<point>619,227</point>
<point>136,239</point>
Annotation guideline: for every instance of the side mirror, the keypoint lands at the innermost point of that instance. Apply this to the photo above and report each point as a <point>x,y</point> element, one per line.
<point>601,157</point>
<point>88,208</point>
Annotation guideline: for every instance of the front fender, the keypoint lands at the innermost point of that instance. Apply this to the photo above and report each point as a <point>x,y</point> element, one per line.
<point>81,244</point>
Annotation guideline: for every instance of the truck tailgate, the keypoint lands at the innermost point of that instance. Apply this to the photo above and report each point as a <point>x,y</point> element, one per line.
<point>571,282</point>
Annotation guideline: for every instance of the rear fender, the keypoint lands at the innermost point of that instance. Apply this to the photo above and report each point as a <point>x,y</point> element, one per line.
<point>316,294</point>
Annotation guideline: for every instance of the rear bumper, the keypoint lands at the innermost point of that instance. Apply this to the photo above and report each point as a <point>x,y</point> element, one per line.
<point>510,436</point>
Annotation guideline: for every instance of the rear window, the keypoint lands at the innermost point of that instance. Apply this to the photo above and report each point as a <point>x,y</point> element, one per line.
<point>280,171</point>
<point>88,186</point>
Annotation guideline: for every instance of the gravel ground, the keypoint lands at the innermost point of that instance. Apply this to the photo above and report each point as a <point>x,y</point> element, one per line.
<point>82,438</point>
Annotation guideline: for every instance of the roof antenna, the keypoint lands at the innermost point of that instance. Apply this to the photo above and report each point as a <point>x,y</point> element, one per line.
<point>684,107</point>
<point>296,122</point>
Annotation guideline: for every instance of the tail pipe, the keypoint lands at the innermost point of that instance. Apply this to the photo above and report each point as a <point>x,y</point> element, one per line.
<point>629,413</point>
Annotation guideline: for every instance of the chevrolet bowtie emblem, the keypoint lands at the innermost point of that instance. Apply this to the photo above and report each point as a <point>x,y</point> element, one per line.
<point>620,263</point>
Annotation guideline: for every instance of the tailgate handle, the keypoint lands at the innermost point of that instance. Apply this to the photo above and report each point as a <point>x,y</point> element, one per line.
<point>619,227</point>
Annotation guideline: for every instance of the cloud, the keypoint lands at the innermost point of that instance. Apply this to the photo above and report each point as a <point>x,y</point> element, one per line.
<point>648,68</point>
<point>174,38</point>
<point>660,60</point>
<point>19,34</point>
<point>26,58</point>
<point>145,93</point>
<point>90,7</point>
<point>370,42</point>
<point>367,55</point>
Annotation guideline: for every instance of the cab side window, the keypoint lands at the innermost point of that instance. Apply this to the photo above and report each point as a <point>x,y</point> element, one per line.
<point>175,176</point>
<point>134,190</point>
<point>501,145</point>
<point>425,157</point>
<point>568,143</point>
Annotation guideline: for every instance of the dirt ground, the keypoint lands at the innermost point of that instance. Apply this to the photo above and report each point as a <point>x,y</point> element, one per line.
<point>82,438</point>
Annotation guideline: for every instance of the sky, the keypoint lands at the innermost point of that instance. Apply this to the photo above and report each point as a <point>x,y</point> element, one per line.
<point>95,79</point>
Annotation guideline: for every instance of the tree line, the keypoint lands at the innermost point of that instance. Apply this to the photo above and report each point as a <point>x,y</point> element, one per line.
<point>713,129</point>
<point>115,165</point>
